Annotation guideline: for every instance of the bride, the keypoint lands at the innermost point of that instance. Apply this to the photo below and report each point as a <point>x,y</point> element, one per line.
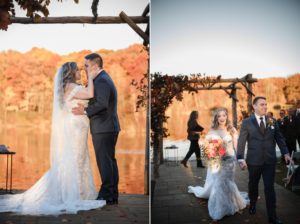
<point>68,185</point>
<point>220,189</point>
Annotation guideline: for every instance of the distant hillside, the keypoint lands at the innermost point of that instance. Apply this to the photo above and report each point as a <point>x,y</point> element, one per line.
<point>27,83</point>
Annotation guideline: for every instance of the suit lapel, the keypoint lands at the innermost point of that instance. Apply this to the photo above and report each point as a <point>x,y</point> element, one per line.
<point>267,125</point>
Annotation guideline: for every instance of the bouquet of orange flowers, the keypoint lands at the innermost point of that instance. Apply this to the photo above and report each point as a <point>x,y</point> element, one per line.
<point>213,150</point>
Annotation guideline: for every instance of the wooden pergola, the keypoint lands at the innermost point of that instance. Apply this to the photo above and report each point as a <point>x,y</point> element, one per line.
<point>230,89</point>
<point>123,18</point>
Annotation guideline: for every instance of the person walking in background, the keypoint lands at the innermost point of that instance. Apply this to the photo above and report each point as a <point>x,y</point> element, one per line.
<point>193,135</point>
<point>297,122</point>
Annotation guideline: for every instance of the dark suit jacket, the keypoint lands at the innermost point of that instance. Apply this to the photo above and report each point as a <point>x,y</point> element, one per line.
<point>280,123</point>
<point>102,109</point>
<point>194,126</point>
<point>261,147</point>
<point>297,123</point>
<point>290,127</point>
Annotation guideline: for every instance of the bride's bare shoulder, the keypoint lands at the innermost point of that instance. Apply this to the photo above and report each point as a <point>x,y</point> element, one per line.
<point>70,86</point>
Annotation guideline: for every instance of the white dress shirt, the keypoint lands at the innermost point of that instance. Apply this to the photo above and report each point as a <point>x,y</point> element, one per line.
<point>258,119</point>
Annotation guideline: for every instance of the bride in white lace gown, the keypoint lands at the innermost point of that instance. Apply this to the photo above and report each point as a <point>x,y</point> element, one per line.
<point>68,185</point>
<point>220,188</point>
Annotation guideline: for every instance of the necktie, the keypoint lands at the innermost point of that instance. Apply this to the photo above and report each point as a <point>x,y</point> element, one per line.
<point>262,125</point>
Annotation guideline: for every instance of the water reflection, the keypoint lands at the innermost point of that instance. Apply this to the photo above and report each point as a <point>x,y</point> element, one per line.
<point>32,158</point>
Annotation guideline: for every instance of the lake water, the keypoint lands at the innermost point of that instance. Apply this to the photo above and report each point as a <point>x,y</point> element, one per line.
<point>32,158</point>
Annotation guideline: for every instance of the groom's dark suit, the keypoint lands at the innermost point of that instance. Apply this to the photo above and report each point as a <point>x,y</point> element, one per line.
<point>104,125</point>
<point>261,158</point>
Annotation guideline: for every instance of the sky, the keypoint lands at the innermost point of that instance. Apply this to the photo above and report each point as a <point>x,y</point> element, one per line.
<point>64,39</point>
<point>230,38</point>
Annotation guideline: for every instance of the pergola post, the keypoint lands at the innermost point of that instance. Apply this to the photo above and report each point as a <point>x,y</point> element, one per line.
<point>234,105</point>
<point>249,93</point>
<point>147,148</point>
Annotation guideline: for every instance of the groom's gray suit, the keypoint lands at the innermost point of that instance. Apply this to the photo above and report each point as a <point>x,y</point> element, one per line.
<point>261,158</point>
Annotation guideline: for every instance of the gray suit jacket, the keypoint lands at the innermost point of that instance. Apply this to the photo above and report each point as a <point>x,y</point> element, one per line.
<point>261,147</point>
<point>102,109</point>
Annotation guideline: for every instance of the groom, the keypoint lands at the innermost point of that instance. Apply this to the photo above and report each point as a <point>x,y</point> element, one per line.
<point>261,134</point>
<point>105,127</point>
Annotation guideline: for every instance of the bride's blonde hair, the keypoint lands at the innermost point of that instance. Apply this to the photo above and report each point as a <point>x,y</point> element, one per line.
<point>69,73</point>
<point>228,124</point>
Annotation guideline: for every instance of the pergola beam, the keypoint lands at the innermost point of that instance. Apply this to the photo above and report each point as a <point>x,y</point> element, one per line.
<point>146,10</point>
<point>79,19</point>
<point>135,27</point>
<point>235,80</point>
<point>216,88</point>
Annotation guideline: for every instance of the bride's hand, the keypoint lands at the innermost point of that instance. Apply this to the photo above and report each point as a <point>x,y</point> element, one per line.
<point>92,73</point>
<point>243,164</point>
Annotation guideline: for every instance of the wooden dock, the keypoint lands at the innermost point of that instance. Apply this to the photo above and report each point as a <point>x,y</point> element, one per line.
<point>132,209</point>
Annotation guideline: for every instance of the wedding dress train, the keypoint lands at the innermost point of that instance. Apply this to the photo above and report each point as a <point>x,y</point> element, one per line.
<point>220,188</point>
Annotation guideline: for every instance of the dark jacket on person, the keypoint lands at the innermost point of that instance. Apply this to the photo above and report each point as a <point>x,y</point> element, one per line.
<point>290,127</point>
<point>192,127</point>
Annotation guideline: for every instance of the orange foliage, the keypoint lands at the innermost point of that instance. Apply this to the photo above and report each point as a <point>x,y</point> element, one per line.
<point>27,79</point>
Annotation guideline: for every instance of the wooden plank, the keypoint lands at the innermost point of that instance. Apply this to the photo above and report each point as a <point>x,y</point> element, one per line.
<point>147,145</point>
<point>234,105</point>
<point>146,10</point>
<point>147,32</point>
<point>249,95</point>
<point>79,19</point>
<point>216,88</point>
<point>137,29</point>
<point>250,80</point>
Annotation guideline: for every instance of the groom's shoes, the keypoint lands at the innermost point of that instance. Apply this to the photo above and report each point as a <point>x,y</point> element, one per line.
<point>275,220</point>
<point>110,201</point>
<point>252,209</point>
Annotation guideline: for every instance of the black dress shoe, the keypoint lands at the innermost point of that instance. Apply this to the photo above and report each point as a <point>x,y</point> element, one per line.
<point>100,198</point>
<point>275,221</point>
<point>109,201</point>
<point>112,201</point>
<point>252,209</point>
<point>199,164</point>
<point>183,162</point>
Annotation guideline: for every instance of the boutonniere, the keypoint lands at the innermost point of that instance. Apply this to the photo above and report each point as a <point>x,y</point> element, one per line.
<point>271,123</point>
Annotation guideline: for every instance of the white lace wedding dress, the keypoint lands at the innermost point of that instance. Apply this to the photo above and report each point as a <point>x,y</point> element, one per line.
<point>220,189</point>
<point>68,185</point>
